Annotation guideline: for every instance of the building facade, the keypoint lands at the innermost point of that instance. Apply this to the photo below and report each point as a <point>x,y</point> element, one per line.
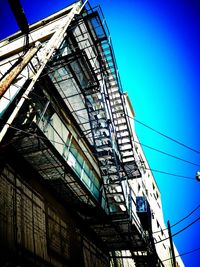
<point>76,188</point>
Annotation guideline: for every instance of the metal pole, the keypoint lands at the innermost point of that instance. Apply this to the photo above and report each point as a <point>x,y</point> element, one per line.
<point>171,245</point>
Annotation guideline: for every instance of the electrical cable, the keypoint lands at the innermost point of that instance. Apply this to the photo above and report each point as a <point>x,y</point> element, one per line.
<point>157,150</point>
<point>42,138</point>
<point>154,170</point>
<point>171,174</point>
<point>167,154</point>
<point>183,254</point>
<point>160,151</point>
<point>168,137</point>
<point>180,231</point>
<point>164,135</point>
<point>179,220</point>
<point>185,216</point>
<point>56,142</point>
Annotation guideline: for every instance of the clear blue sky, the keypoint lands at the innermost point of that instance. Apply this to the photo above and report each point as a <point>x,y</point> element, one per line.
<point>156,44</point>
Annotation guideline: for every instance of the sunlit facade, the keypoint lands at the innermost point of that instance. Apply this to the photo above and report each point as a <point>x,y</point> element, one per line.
<point>76,188</point>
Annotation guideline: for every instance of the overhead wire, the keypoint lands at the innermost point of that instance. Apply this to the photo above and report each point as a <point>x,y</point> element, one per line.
<point>168,137</point>
<point>162,152</point>
<point>167,154</point>
<point>56,142</point>
<point>185,216</point>
<point>43,138</point>
<point>183,254</point>
<point>174,140</point>
<point>25,29</point>
<point>150,169</point>
<point>170,174</point>
<point>180,231</point>
<point>189,225</point>
<point>179,221</point>
<point>158,150</point>
<point>164,135</point>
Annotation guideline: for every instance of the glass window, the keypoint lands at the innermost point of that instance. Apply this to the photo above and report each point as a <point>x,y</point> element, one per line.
<point>85,178</point>
<point>71,160</point>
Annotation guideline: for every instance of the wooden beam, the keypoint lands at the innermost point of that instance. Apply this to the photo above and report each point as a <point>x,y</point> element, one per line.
<point>11,76</point>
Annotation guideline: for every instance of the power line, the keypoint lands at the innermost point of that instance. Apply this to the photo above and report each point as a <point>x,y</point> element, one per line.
<point>155,149</point>
<point>185,216</point>
<point>167,154</point>
<point>170,174</point>
<point>159,151</point>
<point>180,231</point>
<point>168,137</point>
<point>183,254</point>
<point>164,135</point>
<point>62,143</point>
<point>179,220</point>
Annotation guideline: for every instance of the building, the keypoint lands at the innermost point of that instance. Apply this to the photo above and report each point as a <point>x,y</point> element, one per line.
<point>76,188</point>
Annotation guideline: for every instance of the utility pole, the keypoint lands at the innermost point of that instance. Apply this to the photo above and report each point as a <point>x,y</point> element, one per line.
<point>10,77</point>
<point>171,245</point>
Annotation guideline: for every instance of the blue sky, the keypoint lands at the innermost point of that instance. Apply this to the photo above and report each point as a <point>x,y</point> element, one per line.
<point>156,44</point>
<point>157,49</point>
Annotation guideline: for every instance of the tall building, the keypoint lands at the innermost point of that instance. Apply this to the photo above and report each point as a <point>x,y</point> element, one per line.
<point>76,188</point>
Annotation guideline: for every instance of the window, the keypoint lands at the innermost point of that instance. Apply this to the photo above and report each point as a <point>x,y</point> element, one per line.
<point>147,192</point>
<point>71,160</point>
<point>157,195</point>
<point>82,168</point>
<point>162,233</point>
<point>139,187</point>
<point>86,179</point>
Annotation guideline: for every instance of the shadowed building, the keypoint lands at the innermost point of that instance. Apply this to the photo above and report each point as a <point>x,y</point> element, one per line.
<point>76,188</point>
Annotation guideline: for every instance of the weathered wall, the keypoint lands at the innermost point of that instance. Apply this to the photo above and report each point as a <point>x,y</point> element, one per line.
<point>37,230</point>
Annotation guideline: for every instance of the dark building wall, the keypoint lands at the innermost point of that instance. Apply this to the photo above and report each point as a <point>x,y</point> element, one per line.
<point>37,230</point>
